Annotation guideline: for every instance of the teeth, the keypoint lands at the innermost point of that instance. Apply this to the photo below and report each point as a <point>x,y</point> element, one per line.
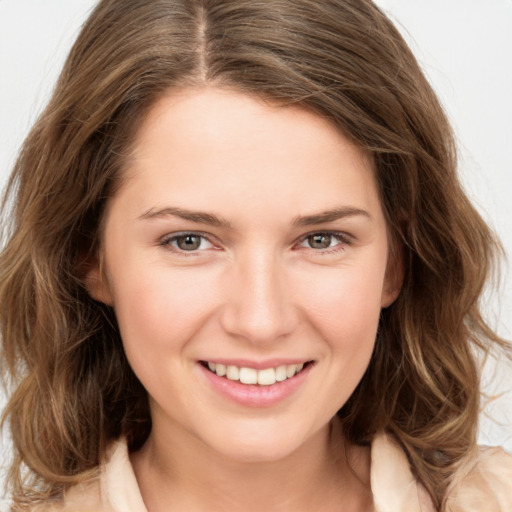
<point>265,377</point>
<point>232,372</point>
<point>248,376</point>
<point>290,370</point>
<point>281,373</point>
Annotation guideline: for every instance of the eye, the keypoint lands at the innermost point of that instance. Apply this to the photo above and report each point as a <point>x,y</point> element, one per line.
<point>187,242</point>
<point>325,241</point>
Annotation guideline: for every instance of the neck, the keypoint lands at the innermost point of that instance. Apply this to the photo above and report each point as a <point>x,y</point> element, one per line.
<point>184,474</point>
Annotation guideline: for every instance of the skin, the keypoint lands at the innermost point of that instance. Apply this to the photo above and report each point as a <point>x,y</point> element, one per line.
<point>256,288</point>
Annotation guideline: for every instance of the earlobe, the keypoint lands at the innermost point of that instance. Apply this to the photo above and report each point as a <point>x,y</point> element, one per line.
<point>389,295</point>
<point>393,279</point>
<point>96,283</point>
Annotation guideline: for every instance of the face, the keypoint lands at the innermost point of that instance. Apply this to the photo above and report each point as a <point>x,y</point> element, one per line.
<point>246,259</point>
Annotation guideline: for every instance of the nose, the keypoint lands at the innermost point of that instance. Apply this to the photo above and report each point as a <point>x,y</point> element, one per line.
<point>259,306</point>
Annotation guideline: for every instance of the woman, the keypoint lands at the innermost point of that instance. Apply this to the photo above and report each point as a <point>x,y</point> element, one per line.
<point>241,272</point>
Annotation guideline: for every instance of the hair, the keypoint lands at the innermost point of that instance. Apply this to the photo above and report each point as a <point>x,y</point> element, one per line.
<point>73,391</point>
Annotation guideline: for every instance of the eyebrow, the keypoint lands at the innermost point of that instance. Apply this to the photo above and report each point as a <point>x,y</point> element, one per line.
<point>214,220</point>
<point>193,216</point>
<point>329,216</point>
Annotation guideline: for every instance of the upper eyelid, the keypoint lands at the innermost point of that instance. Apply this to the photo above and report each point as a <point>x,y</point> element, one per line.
<point>177,234</point>
<point>167,239</point>
<point>341,234</point>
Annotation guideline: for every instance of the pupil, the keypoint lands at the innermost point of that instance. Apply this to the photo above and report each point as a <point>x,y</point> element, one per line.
<point>189,242</point>
<point>320,241</point>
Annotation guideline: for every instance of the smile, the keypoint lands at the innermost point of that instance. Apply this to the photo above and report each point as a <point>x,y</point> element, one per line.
<point>256,384</point>
<point>263,377</point>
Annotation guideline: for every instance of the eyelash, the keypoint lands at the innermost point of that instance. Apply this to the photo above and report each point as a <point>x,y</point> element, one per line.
<point>168,240</point>
<point>343,238</point>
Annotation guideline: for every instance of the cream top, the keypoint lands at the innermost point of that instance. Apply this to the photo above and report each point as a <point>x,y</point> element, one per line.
<point>486,485</point>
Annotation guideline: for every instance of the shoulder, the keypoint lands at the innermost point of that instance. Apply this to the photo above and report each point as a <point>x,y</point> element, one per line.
<point>80,498</point>
<point>484,484</point>
<point>113,490</point>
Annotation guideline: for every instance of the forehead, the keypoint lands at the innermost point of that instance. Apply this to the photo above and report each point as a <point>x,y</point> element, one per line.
<point>209,143</point>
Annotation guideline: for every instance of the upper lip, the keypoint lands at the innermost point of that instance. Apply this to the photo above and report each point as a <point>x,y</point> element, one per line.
<point>257,365</point>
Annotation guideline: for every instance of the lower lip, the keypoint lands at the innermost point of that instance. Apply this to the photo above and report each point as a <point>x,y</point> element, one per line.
<point>253,395</point>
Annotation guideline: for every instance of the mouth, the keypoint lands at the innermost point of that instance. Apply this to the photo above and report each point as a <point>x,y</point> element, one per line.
<point>251,376</point>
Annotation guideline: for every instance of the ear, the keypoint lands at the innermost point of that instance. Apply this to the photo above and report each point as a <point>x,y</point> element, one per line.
<point>95,281</point>
<point>394,278</point>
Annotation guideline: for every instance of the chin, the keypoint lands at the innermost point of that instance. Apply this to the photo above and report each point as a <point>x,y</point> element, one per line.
<point>247,451</point>
<point>257,444</point>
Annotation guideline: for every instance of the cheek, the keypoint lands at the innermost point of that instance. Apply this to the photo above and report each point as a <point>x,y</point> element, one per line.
<point>346,317</point>
<point>159,310</point>
<point>344,303</point>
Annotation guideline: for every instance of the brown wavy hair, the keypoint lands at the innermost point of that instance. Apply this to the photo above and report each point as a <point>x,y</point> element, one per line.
<point>72,388</point>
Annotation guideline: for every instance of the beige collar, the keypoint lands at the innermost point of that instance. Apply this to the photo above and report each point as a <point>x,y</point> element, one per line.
<point>393,485</point>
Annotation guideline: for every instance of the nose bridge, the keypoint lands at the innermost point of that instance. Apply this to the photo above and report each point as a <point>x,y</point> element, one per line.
<point>259,306</point>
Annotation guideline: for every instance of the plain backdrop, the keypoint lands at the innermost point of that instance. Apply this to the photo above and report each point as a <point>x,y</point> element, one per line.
<point>465,48</point>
